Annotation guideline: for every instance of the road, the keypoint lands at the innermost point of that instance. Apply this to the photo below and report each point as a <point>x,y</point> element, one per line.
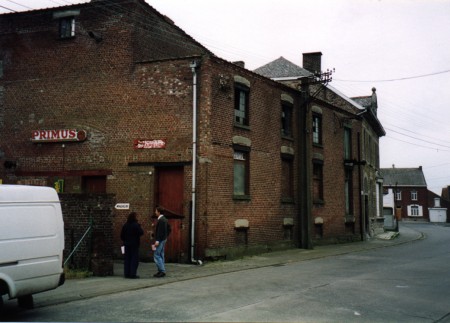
<point>403,283</point>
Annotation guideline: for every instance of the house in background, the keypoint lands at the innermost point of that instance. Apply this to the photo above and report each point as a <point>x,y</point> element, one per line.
<point>440,205</point>
<point>411,196</point>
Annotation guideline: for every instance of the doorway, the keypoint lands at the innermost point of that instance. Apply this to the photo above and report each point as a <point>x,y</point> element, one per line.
<point>169,192</point>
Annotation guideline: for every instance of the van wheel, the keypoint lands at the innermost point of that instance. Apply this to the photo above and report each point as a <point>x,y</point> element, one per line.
<point>26,301</point>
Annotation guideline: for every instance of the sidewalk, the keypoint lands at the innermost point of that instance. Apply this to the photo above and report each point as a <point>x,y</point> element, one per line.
<point>78,289</point>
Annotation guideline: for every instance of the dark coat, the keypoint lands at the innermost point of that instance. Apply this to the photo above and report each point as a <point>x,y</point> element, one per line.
<point>161,229</point>
<point>131,234</point>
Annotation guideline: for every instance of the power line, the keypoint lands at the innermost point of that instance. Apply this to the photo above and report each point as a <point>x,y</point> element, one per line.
<point>397,79</point>
<point>417,145</point>
<point>429,142</point>
<point>12,10</point>
<point>19,4</point>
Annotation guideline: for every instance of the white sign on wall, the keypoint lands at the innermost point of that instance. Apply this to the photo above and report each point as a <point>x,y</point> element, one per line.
<point>122,206</point>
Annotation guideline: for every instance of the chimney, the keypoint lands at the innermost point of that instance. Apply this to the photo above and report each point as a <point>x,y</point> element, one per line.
<point>313,62</point>
<point>239,63</point>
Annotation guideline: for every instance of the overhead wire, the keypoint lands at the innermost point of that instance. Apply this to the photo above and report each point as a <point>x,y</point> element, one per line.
<point>12,10</point>
<point>19,4</point>
<point>396,79</point>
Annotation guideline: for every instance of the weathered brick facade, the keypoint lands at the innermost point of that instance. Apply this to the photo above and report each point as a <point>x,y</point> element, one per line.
<point>128,74</point>
<point>94,252</point>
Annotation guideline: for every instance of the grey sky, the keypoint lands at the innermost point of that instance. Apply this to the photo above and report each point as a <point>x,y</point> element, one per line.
<point>370,43</point>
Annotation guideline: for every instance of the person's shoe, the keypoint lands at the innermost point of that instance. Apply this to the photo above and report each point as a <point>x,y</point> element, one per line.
<point>135,277</point>
<point>159,274</point>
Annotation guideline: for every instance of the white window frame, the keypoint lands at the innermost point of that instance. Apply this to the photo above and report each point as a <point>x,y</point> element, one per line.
<point>415,210</point>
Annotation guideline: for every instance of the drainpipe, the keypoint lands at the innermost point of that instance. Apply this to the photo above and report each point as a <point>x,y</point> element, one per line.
<point>362,218</point>
<point>193,67</point>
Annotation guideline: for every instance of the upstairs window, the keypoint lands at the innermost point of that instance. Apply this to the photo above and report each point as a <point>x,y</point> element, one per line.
<point>287,178</point>
<point>317,129</point>
<point>414,195</point>
<point>286,119</point>
<point>348,188</point>
<point>318,182</point>
<point>241,104</point>
<point>347,143</point>
<point>398,195</point>
<point>241,173</point>
<point>67,27</point>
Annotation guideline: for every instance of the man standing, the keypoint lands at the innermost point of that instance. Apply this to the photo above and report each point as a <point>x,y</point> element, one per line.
<point>161,235</point>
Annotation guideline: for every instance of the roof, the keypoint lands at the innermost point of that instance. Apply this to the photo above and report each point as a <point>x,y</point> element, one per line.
<point>282,68</point>
<point>139,15</point>
<point>365,101</point>
<point>403,177</point>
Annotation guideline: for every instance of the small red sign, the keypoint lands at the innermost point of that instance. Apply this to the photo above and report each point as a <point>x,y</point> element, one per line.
<point>149,144</point>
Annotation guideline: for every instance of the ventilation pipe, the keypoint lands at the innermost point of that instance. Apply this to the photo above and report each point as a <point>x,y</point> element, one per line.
<point>194,66</point>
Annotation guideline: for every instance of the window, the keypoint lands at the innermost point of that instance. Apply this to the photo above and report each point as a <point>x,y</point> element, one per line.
<point>347,143</point>
<point>67,27</point>
<point>241,173</point>
<point>241,102</point>
<point>287,185</point>
<point>398,195</point>
<point>348,192</point>
<point>318,182</point>
<point>94,184</point>
<point>414,210</point>
<point>317,129</point>
<point>286,119</point>
<point>414,195</point>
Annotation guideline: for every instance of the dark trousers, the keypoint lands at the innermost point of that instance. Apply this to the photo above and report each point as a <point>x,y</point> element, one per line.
<point>131,261</point>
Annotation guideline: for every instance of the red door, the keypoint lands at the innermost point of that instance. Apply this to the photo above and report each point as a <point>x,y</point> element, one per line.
<point>169,194</point>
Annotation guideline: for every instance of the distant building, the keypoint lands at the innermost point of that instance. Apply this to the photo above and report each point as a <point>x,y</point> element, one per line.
<point>410,191</point>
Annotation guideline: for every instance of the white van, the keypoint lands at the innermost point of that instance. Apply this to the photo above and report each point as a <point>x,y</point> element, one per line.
<point>31,242</point>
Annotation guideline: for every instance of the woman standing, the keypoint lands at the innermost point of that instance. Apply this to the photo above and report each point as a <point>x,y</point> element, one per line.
<point>131,236</point>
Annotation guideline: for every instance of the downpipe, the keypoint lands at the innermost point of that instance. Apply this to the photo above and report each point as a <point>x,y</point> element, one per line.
<point>194,65</point>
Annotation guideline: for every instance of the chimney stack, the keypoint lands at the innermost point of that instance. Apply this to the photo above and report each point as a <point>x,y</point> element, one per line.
<point>239,63</point>
<point>313,62</point>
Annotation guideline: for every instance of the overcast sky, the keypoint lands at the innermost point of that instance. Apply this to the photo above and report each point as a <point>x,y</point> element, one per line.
<point>400,47</point>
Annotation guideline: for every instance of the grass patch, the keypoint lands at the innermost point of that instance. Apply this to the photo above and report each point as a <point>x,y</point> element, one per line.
<point>76,273</point>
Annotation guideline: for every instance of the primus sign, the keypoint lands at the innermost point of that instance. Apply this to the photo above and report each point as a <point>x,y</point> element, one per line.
<point>58,135</point>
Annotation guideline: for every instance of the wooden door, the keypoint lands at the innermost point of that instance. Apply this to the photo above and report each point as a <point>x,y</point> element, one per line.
<point>169,194</point>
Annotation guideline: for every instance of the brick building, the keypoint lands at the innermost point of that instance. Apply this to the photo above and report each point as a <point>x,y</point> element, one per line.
<point>110,97</point>
<point>344,154</point>
<point>411,196</point>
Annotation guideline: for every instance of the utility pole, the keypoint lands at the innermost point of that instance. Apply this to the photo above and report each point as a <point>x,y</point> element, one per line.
<point>305,163</point>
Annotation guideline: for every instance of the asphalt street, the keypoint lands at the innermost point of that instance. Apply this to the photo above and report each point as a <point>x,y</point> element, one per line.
<point>352,282</point>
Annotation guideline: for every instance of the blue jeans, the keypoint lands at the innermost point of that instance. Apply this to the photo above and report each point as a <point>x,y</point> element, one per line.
<point>158,256</point>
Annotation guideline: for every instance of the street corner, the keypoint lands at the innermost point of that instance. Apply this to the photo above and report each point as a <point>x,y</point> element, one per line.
<point>390,235</point>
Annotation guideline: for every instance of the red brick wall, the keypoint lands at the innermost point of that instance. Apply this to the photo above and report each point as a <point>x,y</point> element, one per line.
<point>337,226</point>
<point>218,211</point>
